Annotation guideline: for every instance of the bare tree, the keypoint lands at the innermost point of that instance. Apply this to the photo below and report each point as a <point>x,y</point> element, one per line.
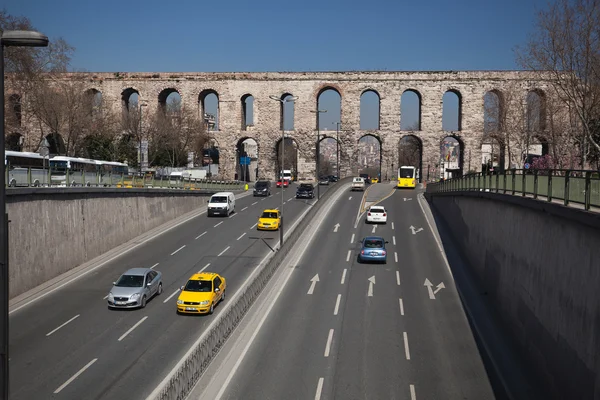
<point>566,47</point>
<point>409,151</point>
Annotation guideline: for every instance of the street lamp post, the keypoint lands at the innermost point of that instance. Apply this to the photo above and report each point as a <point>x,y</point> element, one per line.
<point>318,112</point>
<point>8,39</point>
<point>288,99</point>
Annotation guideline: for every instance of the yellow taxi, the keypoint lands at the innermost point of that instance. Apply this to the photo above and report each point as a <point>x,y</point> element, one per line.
<point>201,293</point>
<point>375,180</point>
<point>269,220</point>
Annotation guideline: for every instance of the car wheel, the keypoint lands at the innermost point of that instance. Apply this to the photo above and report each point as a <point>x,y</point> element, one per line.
<point>212,308</point>
<point>223,297</point>
<point>159,291</point>
<point>143,302</point>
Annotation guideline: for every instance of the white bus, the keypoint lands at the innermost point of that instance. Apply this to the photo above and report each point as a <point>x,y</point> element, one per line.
<point>25,168</point>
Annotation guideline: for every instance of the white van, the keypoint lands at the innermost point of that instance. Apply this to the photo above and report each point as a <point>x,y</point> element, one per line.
<point>222,203</point>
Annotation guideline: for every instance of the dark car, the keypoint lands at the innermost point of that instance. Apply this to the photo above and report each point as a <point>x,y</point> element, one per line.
<point>324,180</point>
<point>333,178</point>
<point>262,188</point>
<point>305,191</point>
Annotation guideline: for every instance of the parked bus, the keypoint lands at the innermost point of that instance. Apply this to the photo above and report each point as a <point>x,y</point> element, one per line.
<point>25,168</point>
<point>407,177</point>
<point>75,171</point>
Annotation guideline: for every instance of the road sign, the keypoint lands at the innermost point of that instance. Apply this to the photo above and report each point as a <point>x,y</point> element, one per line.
<point>244,160</point>
<point>527,166</point>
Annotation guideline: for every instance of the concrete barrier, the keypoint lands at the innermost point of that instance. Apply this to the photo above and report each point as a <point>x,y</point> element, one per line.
<point>539,264</point>
<point>52,231</point>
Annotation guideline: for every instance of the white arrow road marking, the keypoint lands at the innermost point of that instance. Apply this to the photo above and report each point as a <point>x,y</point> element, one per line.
<point>430,290</point>
<point>328,345</point>
<point>374,227</point>
<point>371,283</point>
<point>350,198</point>
<point>439,287</point>
<point>336,227</point>
<point>337,304</point>
<point>343,276</point>
<point>406,350</point>
<point>313,283</point>
<point>414,232</point>
<point>405,199</point>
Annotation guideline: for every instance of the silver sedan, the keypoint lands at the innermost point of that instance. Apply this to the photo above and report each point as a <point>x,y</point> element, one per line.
<point>134,288</point>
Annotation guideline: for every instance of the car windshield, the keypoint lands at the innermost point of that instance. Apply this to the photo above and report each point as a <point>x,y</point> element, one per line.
<point>130,281</point>
<point>373,244</point>
<point>269,214</point>
<point>260,185</point>
<point>376,210</point>
<point>218,199</point>
<point>198,286</point>
<point>406,172</point>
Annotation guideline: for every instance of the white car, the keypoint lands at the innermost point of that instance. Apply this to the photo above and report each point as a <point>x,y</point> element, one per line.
<point>377,214</point>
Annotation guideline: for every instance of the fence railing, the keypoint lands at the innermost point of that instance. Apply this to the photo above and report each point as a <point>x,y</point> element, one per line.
<point>569,186</point>
<point>30,177</point>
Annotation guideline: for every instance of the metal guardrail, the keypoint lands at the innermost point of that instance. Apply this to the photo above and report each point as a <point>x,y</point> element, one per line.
<point>183,381</point>
<point>570,186</point>
<point>30,177</point>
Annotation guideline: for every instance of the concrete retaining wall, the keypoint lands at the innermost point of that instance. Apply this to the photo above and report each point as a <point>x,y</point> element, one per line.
<point>540,264</point>
<point>53,231</point>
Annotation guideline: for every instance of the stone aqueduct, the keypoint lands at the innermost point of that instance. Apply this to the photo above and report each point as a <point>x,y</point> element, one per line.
<point>232,88</point>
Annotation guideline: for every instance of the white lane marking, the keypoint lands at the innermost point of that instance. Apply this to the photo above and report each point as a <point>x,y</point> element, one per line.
<point>337,304</point>
<point>413,395</point>
<point>105,297</point>
<point>277,208</point>
<point>319,389</point>
<point>200,235</point>
<point>284,202</point>
<point>154,266</point>
<point>291,198</point>
<point>396,256</point>
<point>72,319</point>
<point>71,379</point>
<point>374,227</point>
<point>218,224</point>
<point>241,236</point>
<point>123,336</point>
<point>206,266</point>
<point>176,251</point>
<point>263,199</point>
<point>233,215</point>
<point>256,202</point>
<point>348,256</point>
<point>352,240</point>
<point>406,350</point>
<point>401,307</point>
<point>244,208</point>
<point>221,253</point>
<point>328,345</point>
<point>343,276</point>
<point>171,296</point>
<point>254,226</point>
<point>392,226</point>
<point>394,240</point>
<point>398,277</point>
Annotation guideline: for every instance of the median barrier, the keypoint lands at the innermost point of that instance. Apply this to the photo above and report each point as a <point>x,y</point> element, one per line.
<point>181,381</point>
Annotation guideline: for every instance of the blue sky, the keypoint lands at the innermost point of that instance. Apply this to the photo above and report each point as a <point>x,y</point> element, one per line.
<point>268,35</point>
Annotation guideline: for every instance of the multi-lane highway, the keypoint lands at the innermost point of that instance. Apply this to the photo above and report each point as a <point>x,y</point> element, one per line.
<point>69,345</point>
<point>344,330</point>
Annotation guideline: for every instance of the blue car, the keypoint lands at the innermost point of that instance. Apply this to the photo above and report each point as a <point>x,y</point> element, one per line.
<point>373,249</point>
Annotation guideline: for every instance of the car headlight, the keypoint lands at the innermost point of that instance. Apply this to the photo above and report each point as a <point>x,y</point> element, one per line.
<point>134,297</point>
<point>205,302</point>
<point>111,297</point>
<point>179,301</point>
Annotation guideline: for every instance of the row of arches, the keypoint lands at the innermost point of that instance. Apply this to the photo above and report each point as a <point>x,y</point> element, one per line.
<point>329,98</point>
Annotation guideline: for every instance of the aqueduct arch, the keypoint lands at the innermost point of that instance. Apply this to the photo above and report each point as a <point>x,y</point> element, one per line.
<point>243,108</point>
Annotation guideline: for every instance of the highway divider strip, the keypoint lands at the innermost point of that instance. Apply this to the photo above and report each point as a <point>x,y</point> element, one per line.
<point>181,380</point>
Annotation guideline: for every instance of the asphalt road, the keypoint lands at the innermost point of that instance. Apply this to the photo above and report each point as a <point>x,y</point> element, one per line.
<point>71,346</point>
<point>336,339</point>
